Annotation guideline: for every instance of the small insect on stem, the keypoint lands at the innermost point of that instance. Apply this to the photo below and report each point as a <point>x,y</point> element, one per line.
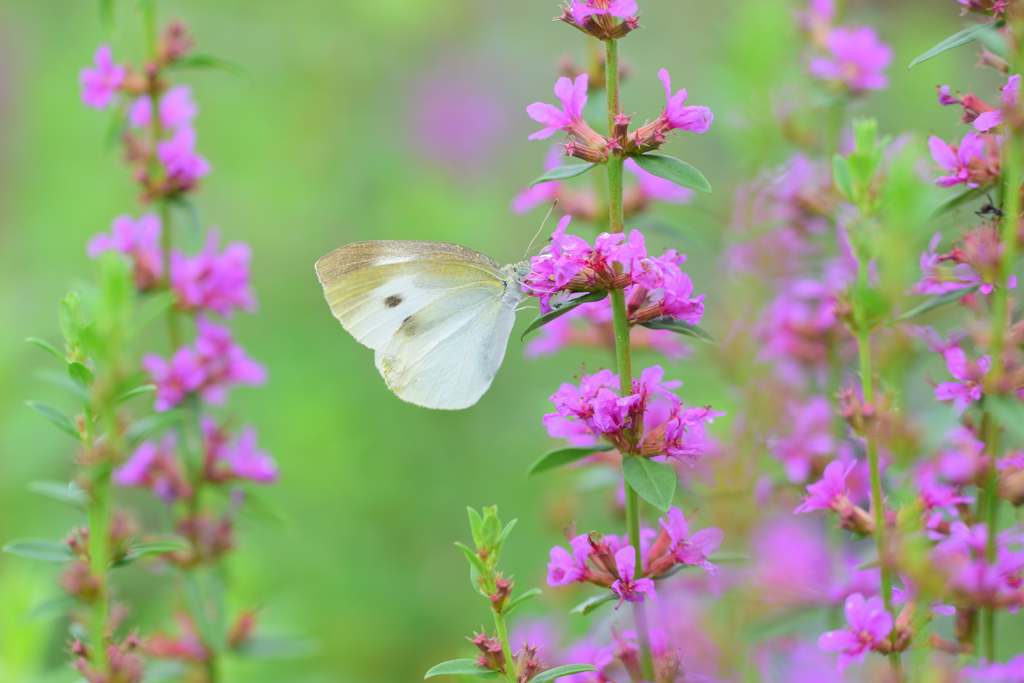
<point>989,209</point>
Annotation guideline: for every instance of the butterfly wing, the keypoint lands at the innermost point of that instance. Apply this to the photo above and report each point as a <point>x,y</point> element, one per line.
<point>436,315</point>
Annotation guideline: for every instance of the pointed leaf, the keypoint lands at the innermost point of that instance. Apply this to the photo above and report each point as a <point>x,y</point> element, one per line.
<point>950,204</point>
<point>474,560</point>
<point>934,302</point>
<point>55,607</point>
<point>654,481</point>
<point>45,345</point>
<point>681,327</point>
<point>159,547</point>
<point>563,172</point>
<point>62,381</point>
<point>559,671</point>
<point>39,549</point>
<point>142,429</point>
<point>460,667</point>
<point>591,604</point>
<point>58,418</point>
<point>561,308</point>
<point>522,598</point>
<point>968,35</point>
<point>841,176</point>
<point>561,457</point>
<point>1009,412</point>
<point>153,308</point>
<point>210,62</point>
<point>64,491</point>
<point>504,534</point>
<point>137,391</point>
<point>676,170</point>
<point>475,524</point>
<point>80,373</point>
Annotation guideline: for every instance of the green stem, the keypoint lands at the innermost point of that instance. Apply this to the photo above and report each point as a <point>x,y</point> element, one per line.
<point>499,625</point>
<point>988,499</point>
<point>611,66</point>
<point>173,322</point>
<point>99,563</point>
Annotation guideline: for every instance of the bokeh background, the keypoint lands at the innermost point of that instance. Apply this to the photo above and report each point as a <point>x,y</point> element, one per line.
<point>370,120</point>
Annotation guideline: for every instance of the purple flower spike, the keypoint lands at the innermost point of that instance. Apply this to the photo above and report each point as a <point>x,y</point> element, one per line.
<point>857,59</point>
<point>565,568</point>
<point>581,9</point>
<point>176,379</point>
<point>831,491</point>
<point>957,159</point>
<point>693,550</point>
<point>225,461</point>
<point>177,109</point>
<point>213,282</point>
<point>573,96</point>
<point>178,155</point>
<point>869,626</point>
<point>628,588</point>
<point>678,117</point>
<point>971,376</point>
<point>138,239</point>
<point>100,84</point>
<point>1011,100</point>
<point>156,468</point>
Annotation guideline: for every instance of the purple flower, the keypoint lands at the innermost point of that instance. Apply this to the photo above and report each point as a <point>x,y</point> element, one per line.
<point>679,117</point>
<point>935,278</point>
<point>138,239</point>
<point>829,493</point>
<point>157,469</point>
<point>935,342</point>
<point>628,588</point>
<point>1011,101</point>
<point>692,550</point>
<point>176,379</point>
<point>869,626</point>
<point>573,96</point>
<point>968,274</point>
<point>177,109</point>
<point>1012,671</point>
<point>685,435</point>
<point>224,362</point>
<point>957,159</point>
<point>658,189</point>
<point>857,59</point>
<point>565,568</point>
<point>101,83</point>
<point>971,376</point>
<point>239,460</point>
<point>810,437</point>
<point>581,9</point>
<point>213,282</point>
<point>178,155</point>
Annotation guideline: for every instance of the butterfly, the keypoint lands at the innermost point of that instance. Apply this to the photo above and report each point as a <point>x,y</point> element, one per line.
<point>437,316</point>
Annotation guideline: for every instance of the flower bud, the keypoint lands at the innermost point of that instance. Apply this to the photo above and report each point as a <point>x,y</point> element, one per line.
<point>491,655</point>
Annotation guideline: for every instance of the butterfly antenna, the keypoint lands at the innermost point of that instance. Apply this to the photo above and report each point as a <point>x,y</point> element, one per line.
<point>539,230</point>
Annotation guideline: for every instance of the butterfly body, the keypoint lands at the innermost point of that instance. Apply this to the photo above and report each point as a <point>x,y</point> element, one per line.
<point>438,316</point>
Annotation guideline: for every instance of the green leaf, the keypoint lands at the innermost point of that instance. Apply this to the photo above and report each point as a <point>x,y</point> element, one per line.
<point>654,481</point>
<point>563,172</point>
<point>561,457</point>
<point>192,234</point>
<point>504,535</point>
<point>1009,412</point>
<point>968,35</point>
<point>137,391</point>
<point>142,429</point>
<point>561,308</point>
<point>58,418</point>
<point>460,667</point>
<point>522,598</point>
<point>934,302</point>
<point>676,170</point>
<point>115,127</point>
<point>475,523</point>
<point>474,560</point>
<point>64,491</point>
<point>46,346</point>
<point>842,177</point>
<point>160,547</point>
<point>950,204</point>
<point>38,549</point>
<point>210,62</point>
<point>71,319</point>
<point>81,373</point>
<point>154,308</point>
<point>55,607</point>
<point>591,604</point>
<point>559,671</point>
<point>62,381</point>
<point>275,647</point>
<point>681,327</point>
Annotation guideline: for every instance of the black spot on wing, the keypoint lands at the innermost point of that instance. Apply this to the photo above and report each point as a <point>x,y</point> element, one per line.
<point>392,301</point>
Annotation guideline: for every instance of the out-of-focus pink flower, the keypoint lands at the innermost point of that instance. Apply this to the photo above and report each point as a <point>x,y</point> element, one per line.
<point>679,117</point>
<point>829,493</point>
<point>936,278</point>
<point>156,468</point>
<point>800,324</point>
<point>651,187</point>
<point>1011,103</point>
<point>1011,671</point>
<point>138,239</point>
<point>869,626</point>
<point>856,58</point>
<point>99,84</point>
<point>628,588</point>
<point>968,274</point>
<point>935,342</point>
<point>958,159</point>
<point>565,568</point>
<point>213,282</point>
<point>809,440</point>
<point>225,460</point>
<point>971,375</point>
<point>573,96</point>
<point>695,549</point>
<point>224,362</point>
<point>177,109</point>
<point>178,156</point>
<point>581,9</point>
<point>685,436</point>
<point>176,379</point>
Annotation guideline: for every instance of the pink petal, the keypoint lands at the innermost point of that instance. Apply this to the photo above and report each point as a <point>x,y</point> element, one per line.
<point>989,120</point>
<point>942,154</point>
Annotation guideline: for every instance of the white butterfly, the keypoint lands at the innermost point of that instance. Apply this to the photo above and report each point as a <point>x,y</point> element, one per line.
<point>438,316</point>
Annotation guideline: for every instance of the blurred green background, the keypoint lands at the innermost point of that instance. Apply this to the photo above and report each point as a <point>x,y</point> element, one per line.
<point>370,120</point>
